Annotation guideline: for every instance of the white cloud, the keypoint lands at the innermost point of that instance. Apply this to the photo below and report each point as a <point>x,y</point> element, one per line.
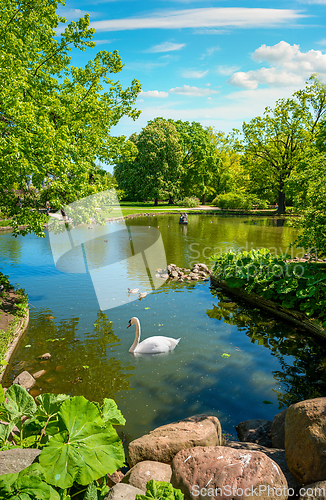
<point>322,42</point>
<point>74,14</point>
<point>290,67</point>
<point>279,53</point>
<point>226,70</point>
<point>193,91</point>
<point>166,47</point>
<point>154,93</point>
<point>102,42</point>
<point>210,51</point>
<point>213,17</point>
<point>194,74</point>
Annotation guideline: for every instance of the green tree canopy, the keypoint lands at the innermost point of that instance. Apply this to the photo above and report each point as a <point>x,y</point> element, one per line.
<point>156,171</point>
<point>200,162</point>
<point>55,119</point>
<point>274,144</point>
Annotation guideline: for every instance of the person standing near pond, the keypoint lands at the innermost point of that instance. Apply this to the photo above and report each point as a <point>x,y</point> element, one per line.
<point>47,206</point>
<point>63,213</point>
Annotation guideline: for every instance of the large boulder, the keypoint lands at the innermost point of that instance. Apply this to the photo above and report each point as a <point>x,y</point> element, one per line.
<point>225,472</point>
<point>277,455</point>
<point>305,440</point>
<point>255,431</point>
<point>143,472</point>
<point>278,430</point>
<point>17,459</point>
<point>164,442</point>
<point>123,492</point>
<point>314,491</point>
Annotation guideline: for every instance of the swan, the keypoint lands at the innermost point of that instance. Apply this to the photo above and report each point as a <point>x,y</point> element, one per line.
<point>151,345</point>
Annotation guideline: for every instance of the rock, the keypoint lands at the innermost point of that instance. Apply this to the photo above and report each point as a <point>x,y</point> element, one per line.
<point>255,431</point>
<point>305,440</point>
<point>25,379</point>
<point>47,355</point>
<point>39,373</point>
<point>143,472</point>
<point>278,430</point>
<point>314,491</point>
<point>164,442</point>
<point>278,455</point>
<point>203,472</point>
<point>164,276</point>
<point>115,478</point>
<point>123,492</point>
<point>174,274</point>
<point>17,459</point>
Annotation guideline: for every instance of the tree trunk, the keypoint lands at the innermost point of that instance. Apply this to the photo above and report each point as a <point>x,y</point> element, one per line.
<point>156,202</point>
<point>281,199</point>
<point>203,200</point>
<point>171,202</point>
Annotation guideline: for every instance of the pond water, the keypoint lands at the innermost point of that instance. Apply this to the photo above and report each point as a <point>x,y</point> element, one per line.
<point>233,361</point>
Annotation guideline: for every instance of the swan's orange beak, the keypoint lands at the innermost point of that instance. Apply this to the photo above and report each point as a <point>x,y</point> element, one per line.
<point>129,323</point>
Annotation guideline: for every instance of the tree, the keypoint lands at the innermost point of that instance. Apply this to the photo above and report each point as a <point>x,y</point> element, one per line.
<point>200,162</point>
<point>156,171</point>
<point>273,145</point>
<point>55,119</point>
<point>308,187</point>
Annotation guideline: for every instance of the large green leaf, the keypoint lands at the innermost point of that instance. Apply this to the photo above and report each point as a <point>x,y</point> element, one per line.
<point>19,402</point>
<point>28,484</point>
<point>110,413</point>
<point>49,404</point>
<point>86,450</point>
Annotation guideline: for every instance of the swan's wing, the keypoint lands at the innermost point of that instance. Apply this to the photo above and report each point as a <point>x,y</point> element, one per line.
<point>157,344</point>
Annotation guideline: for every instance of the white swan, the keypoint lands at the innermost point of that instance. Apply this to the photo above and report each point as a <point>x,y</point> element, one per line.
<point>151,345</point>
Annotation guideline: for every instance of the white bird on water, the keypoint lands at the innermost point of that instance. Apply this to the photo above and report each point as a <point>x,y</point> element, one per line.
<point>152,345</point>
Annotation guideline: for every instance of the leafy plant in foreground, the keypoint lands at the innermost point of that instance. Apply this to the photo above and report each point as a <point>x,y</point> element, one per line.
<point>160,490</point>
<point>79,444</point>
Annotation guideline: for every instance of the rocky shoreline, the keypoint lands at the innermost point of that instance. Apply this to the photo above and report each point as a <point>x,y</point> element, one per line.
<point>283,458</point>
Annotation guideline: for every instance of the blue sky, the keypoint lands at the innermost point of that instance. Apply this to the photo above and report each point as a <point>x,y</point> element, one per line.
<point>216,62</point>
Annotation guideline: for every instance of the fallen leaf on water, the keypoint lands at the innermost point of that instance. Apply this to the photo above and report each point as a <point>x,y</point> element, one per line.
<point>267,402</point>
<point>146,307</point>
<point>225,355</point>
<point>28,345</point>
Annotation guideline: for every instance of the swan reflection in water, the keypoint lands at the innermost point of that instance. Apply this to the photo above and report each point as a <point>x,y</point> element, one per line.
<point>152,345</point>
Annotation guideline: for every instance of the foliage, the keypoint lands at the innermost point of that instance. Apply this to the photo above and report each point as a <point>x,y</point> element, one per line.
<point>79,445</point>
<point>239,200</point>
<point>160,490</point>
<point>55,118</point>
<point>156,170</point>
<point>28,484</point>
<point>274,144</point>
<point>200,163</point>
<point>300,286</point>
<point>189,202</point>
<point>308,185</point>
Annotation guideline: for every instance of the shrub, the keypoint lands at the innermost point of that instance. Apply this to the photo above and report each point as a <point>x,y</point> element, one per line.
<point>189,202</point>
<point>240,201</point>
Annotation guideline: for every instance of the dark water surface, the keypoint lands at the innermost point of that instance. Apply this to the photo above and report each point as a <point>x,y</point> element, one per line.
<point>233,361</point>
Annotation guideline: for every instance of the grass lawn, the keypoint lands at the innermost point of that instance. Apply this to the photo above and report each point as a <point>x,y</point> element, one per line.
<point>138,207</point>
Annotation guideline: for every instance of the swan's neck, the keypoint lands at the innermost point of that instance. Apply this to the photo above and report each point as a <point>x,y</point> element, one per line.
<point>137,337</point>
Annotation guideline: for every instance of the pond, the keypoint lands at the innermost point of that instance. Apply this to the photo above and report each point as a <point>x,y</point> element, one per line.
<point>233,361</point>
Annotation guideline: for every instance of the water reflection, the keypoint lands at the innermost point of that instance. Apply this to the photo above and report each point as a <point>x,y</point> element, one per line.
<point>79,360</point>
<point>304,376</point>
